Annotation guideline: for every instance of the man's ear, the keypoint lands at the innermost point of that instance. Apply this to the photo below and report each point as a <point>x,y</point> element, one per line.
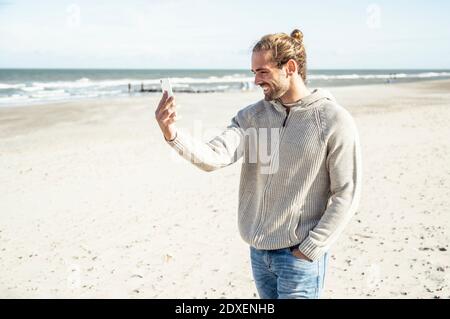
<point>291,67</point>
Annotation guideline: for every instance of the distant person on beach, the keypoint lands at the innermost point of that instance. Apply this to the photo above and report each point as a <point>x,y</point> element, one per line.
<point>295,202</point>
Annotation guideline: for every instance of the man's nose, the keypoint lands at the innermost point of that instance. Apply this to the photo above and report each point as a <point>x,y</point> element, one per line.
<point>257,80</point>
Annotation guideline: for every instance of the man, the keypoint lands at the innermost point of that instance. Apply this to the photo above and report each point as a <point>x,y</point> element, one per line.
<point>294,206</point>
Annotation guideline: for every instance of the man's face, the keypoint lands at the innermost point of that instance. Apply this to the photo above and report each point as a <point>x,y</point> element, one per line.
<point>268,76</point>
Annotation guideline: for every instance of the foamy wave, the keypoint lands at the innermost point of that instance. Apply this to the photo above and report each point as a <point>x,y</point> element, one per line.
<point>433,74</point>
<point>50,94</point>
<point>81,83</point>
<point>39,91</point>
<point>13,98</point>
<point>85,83</point>
<point>31,88</point>
<point>183,82</point>
<point>54,96</point>
<point>7,86</point>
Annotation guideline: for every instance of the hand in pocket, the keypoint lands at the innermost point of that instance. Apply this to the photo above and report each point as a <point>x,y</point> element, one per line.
<point>297,253</point>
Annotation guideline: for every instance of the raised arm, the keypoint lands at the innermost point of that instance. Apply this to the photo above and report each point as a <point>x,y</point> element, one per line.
<point>221,151</point>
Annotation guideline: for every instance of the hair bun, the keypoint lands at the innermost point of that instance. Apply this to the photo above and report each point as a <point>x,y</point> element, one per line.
<point>297,35</point>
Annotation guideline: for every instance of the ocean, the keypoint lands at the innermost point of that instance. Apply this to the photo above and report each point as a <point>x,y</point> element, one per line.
<point>36,86</point>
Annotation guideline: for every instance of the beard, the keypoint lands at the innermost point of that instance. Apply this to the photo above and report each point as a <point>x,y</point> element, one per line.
<point>275,91</point>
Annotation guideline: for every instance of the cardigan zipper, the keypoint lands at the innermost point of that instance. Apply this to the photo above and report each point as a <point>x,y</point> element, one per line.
<point>285,119</point>
<point>269,179</point>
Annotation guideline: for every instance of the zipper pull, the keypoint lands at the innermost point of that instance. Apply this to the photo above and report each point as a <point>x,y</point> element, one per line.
<point>285,119</point>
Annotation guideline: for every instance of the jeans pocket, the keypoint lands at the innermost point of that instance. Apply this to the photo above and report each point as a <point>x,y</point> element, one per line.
<point>301,260</point>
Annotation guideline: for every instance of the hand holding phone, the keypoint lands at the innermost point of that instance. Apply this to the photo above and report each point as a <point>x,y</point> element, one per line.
<point>165,113</point>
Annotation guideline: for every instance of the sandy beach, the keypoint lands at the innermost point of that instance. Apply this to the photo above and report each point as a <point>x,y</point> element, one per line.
<point>94,203</point>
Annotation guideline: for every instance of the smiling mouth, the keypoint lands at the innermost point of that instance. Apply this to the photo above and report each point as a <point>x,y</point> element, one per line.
<point>265,88</point>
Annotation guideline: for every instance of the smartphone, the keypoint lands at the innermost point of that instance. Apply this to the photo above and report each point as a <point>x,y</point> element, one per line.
<point>166,86</point>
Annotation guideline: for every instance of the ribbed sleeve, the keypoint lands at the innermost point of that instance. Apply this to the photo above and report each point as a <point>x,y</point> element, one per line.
<point>344,168</point>
<point>221,151</point>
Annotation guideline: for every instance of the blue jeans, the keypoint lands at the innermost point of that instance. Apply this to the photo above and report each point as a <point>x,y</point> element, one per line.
<point>279,274</point>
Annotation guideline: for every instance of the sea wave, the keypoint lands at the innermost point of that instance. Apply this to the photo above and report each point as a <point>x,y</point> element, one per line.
<point>84,87</point>
<point>86,83</point>
<point>7,86</point>
<point>184,82</point>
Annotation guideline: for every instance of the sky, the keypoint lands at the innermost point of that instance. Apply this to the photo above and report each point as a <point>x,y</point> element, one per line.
<point>220,34</point>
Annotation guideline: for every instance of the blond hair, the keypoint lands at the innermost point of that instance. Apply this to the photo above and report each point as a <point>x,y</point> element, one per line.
<point>283,48</point>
